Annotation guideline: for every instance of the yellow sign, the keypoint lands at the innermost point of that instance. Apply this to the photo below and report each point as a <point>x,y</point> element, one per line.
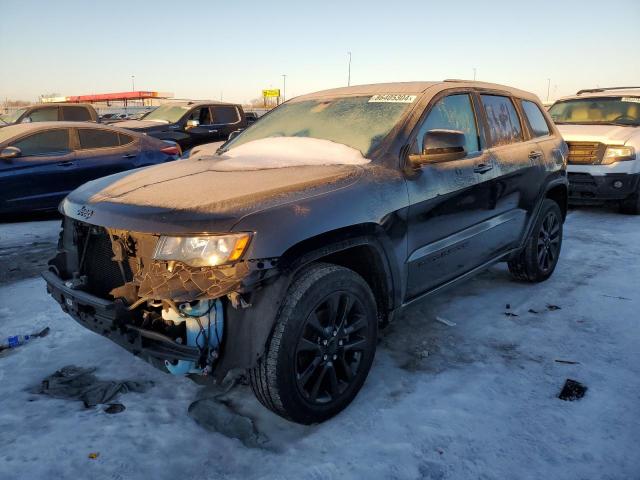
<point>275,92</point>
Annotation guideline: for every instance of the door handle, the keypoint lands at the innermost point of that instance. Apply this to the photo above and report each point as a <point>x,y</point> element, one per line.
<point>213,131</point>
<point>129,155</point>
<point>535,155</point>
<point>65,164</point>
<point>482,168</point>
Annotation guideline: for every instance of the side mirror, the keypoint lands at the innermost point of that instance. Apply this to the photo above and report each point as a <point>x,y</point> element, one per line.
<point>440,146</point>
<point>192,124</point>
<point>8,153</point>
<point>234,134</point>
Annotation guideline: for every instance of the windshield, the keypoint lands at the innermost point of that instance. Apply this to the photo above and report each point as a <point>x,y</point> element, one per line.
<point>11,117</point>
<point>358,122</point>
<point>167,113</point>
<point>598,111</point>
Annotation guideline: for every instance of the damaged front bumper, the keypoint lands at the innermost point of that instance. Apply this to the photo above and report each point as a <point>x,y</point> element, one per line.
<point>108,282</point>
<point>112,320</point>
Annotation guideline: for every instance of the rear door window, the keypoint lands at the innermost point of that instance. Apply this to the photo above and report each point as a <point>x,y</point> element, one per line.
<point>537,122</point>
<point>76,114</point>
<point>225,114</point>
<point>48,142</point>
<point>95,138</point>
<point>452,113</point>
<point>125,139</point>
<point>44,115</point>
<point>503,121</point>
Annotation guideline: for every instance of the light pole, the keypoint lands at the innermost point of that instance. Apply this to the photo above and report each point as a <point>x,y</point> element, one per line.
<point>284,88</point>
<point>349,74</point>
<point>133,84</point>
<point>548,87</point>
<point>474,74</point>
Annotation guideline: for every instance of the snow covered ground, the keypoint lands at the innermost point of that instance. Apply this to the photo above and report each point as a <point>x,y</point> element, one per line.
<point>476,400</point>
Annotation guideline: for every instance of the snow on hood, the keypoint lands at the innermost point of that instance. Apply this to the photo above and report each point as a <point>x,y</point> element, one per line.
<point>282,152</point>
<point>608,134</point>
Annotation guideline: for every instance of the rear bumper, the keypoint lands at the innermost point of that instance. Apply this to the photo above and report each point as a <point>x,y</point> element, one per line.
<point>585,188</point>
<point>109,319</point>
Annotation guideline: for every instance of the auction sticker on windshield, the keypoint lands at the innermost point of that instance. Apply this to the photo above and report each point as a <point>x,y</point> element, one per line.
<point>393,98</point>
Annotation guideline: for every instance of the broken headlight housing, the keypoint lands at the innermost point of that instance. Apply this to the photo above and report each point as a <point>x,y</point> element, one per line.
<point>618,154</point>
<point>202,250</point>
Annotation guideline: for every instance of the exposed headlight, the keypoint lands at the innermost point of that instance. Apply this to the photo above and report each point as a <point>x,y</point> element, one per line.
<point>618,154</point>
<point>202,251</point>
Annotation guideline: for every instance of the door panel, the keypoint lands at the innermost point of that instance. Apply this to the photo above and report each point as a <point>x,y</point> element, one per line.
<point>101,154</point>
<point>451,230</point>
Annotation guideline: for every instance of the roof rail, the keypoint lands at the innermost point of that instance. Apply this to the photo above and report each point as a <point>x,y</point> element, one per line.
<point>594,90</point>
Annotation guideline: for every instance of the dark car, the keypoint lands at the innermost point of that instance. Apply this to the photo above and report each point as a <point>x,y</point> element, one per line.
<point>190,123</point>
<point>284,252</point>
<point>51,112</point>
<point>252,117</point>
<point>42,162</point>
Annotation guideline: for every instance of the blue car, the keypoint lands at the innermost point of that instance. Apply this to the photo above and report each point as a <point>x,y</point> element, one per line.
<point>40,163</point>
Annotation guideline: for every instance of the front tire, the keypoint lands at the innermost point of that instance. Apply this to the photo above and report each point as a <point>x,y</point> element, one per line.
<point>321,348</point>
<point>538,259</point>
<point>631,205</point>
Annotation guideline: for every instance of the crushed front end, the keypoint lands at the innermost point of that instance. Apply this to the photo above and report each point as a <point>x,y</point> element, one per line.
<point>177,317</point>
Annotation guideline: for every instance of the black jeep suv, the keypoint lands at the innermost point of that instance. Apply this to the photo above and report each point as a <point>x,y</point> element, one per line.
<point>282,253</point>
<point>190,123</point>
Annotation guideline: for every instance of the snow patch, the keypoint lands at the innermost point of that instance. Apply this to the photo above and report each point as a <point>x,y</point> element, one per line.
<point>282,152</point>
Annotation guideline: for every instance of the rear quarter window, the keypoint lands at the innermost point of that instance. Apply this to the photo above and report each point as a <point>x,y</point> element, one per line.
<point>503,121</point>
<point>537,122</point>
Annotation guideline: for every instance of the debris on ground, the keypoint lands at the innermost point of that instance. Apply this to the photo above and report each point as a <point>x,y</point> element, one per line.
<point>217,415</point>
<point>448,323</point>
<point>568,362</point>
<point>114,408</point>
<point>531,310</point>
<point>19,340</point>
<point>572,390</point>
<point>511,314</point>
<point>553,307</point>
<point>94,455</point>
<point>616,297</point>
<point>77,383</point>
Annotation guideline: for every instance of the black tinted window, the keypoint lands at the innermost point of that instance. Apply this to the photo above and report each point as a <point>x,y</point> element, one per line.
<point>225,114</point>
<point>125,139</point>
<point>538,124</point>
<point>76,114</point>
<point>504,124</point>
<point>94,138</point>
<point>452,113</point>
<point>42,143</point>
<point>44,115</point>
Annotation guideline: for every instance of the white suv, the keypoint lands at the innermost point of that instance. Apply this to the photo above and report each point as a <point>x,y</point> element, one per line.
<point>602,128</point>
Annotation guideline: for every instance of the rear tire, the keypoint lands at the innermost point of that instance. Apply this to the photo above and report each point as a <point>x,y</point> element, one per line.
<point>538,259</point>
<point>321,348</point>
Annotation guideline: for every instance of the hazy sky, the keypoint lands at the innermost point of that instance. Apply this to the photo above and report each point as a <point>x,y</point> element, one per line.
<point>205,49</point>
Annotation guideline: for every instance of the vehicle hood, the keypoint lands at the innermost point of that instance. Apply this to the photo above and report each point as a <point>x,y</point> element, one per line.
<point>191,196</point>
<point>141,124</point>
<point>607,134</point>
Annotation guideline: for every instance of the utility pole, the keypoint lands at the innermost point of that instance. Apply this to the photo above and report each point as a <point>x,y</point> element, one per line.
<point>548,87</point>
<point>474,74</point>
<point>349,74</point>
<point>133,84</point>
<point>284,88</point>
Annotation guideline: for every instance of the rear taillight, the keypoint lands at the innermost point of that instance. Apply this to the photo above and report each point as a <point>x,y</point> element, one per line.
<point>172,150</point>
